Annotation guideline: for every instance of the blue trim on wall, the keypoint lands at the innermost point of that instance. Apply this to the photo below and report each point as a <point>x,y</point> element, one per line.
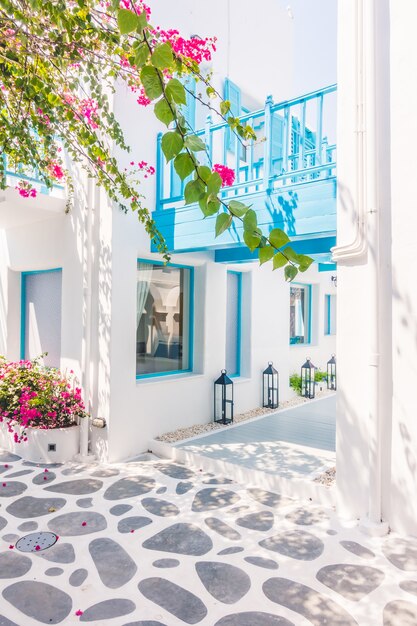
<point>23,304</point>
<point>309,289</point>
<point>242,254</point>
<point>191,322</point>
<point>239,323</point>
<point>327,267</point>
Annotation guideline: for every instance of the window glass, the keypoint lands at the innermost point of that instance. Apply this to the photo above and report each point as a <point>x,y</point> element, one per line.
<point>299,314</point>
<point>233,324</point>
<point>330,315</point>
<point>162,319</point>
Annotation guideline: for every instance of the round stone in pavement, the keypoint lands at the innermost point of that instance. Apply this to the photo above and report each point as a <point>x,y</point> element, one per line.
<point>222,528</point>
<point>213,498</point>
<point>59,553</point>
<point>42,602</point>
<point>19,473</point>
<point>145,623</point>
<point>129,487</point>
<point>297,544</point>
<point>400,613</point>
<point>314,606</point>
<point>3,523</point>
<point>120,509</point>
<point>160,507</point>
<point>307,517</point>
<point>14,565</point>
<point>28,506</point>
<point>77,577</point>
<point>357,549</point>
<point>226,583</point>
<point>178,601</point>
<point>8,457</point>
<point>402,553</point>
<point>232,550</point>
<point>133,523</point>
<point>181,538</point>
<point>114,565</point>
<point>108,609</point>
<point>27,527</point>
<point>105,472</point>
<point>85,503</point>
<point>253,618</point>
<point>262,521</point>
<point>353,582</point>
<point>54,571</point>
<point>410,586</point>
<point>218,481</point>
<point>43,478</point>
<point>174,471</point>
<point>10,538</point>
<point>268,498</point>
<point>80,523</point>
<point>161,490</point>
<point>261,562</point>
<point>77,487</point>
<point>166,563</point>
<point>183,487</point>
<point>11,488</point>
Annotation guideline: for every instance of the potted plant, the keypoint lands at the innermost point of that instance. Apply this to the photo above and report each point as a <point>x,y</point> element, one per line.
<point>40,409</point>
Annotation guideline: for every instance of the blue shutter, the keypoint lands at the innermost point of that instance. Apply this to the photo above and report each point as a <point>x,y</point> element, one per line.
<point>277,140</point>
<point>232,93</point>
<point>188,110</point>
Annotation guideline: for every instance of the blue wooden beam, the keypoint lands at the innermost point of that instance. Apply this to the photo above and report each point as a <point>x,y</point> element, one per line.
<point>316,246</point>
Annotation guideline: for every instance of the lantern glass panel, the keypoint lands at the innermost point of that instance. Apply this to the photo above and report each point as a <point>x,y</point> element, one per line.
<point>331,374</point>
<point>270,387</point>
<point>308,386</point>
<point>223,399</point>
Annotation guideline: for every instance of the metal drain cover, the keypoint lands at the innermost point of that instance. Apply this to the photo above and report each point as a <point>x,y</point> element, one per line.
<point>36,542</point>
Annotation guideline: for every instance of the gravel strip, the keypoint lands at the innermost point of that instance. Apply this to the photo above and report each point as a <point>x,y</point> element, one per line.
<point>328,478</point>
<point>200,429</point>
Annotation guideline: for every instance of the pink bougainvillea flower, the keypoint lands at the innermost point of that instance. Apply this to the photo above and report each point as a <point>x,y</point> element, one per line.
<point>226,174</point>
<point>84,524</point>
<point>4,485</point>
<point>11,547</point>
<point>132,531</point>
<point>46,470</point>
<point>6,466</point>
<point>37,548</point>
<point>78,613</point>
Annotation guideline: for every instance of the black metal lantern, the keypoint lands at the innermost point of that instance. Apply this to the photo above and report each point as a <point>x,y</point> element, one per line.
<point>331,373</point>
<point>223,399</point>
<point>270,397</point>
<point>308,384</point>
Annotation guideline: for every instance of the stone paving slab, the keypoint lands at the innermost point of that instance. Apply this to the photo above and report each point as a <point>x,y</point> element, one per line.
<point>214,554</point>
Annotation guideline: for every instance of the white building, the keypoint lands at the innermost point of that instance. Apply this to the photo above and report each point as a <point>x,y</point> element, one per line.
<point>148,341</point>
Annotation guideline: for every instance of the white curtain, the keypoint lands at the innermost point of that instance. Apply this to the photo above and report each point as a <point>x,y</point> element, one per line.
<point>299,317</point>
<point>144,277</point>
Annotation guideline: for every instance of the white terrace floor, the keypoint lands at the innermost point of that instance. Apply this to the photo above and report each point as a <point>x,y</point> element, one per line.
<point>153,543</point>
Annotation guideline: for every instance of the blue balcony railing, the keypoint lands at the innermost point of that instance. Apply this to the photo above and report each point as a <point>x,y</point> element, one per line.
<point>295,144</point>
<point>13,176</point>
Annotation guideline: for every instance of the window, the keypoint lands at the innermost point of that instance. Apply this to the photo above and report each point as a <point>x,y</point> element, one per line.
<point>233,323</point>
<point>330,315</point>
<point>163,319</point>
<point>299,314</point>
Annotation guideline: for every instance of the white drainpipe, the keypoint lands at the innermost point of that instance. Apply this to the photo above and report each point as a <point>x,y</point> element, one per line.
<point>367,240</point>
<point>84,454</point>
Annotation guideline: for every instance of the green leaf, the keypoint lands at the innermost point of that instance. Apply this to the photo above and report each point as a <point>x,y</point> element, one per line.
<point>175,90</point>
<point>291,254</point>
<point>204,172</point>
<point>266,254</point>
<point>127,21</point>
<point>142,21</point>
<point>224,107</point>
<point>223,222</point>
<point>304,262</point>
<point>163,111</point>
<point>214,183</point>
<point>194,191</point>
<point>279,261</point>
<point>251,239</point>
<point>290,272</point>
<point>194,143</point>
<point>142,55</point>
<point>238,208</point>
<point>211,92</point>
<point>278,238</point>
<point>184,165</point>
<point>209,205</point>
<point>162,56</point>
<point>171,145</point>
<point>152,81</point>
<point>250,221</point>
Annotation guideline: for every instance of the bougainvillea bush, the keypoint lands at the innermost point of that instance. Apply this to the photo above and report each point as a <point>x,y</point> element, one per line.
<point>35,396</point>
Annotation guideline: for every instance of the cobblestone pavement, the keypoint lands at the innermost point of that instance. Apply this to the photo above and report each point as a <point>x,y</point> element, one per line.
<point>153,543</point>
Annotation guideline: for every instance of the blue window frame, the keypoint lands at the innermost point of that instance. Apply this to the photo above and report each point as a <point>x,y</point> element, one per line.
<point>233,322</point>
<point>330,314</point>
<point>164,319</point>
<point>233,95</point>
<point>300,314</point>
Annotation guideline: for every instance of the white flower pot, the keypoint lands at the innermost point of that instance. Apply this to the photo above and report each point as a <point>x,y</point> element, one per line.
<point>55,445</point>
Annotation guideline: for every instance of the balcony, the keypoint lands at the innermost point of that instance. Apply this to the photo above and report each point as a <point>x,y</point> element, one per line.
<point>18,211</point>
<point>288,175</point>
